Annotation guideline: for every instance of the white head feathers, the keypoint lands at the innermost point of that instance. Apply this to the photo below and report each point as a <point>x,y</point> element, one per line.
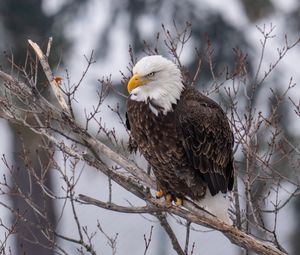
<point>156,80</point>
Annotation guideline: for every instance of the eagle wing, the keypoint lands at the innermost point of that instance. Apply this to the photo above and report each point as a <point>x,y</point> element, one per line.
<point>207,140</point>
<point>132,145</point>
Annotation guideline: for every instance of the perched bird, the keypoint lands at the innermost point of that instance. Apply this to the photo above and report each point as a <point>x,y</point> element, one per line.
<point>184,135</point>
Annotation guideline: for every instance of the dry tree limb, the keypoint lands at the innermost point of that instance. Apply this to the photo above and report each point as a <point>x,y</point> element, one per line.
<point>172,236</point>
<point>47,70</point>
<point>118,208</point>
<point>187,212</point>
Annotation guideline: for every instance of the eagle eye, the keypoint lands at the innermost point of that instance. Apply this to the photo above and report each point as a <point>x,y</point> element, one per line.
<point>150,74</point>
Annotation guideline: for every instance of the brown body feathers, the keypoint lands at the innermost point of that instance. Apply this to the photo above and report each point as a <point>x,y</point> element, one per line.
<point>189,148</point>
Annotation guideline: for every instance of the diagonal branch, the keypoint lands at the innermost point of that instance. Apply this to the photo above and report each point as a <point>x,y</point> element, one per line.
<point>47,70</point>
<point>164,223</point>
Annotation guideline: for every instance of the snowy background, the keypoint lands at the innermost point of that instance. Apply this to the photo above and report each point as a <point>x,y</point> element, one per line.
<point>92,25</point>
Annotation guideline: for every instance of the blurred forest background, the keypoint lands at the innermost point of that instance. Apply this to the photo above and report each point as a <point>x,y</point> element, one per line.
<point>108,27</point>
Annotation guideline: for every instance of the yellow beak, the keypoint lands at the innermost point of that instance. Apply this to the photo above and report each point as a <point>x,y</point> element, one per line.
<point>134,82</point>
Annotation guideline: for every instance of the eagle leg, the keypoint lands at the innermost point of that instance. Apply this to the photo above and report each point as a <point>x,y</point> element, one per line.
<point>178,201</point>
<point>159,194</point>
<point>169,199</point>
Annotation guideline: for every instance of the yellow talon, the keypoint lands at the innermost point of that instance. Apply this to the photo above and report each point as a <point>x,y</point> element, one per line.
<point>169,199</point>
<point>159,194</point>
<point>178,201</point>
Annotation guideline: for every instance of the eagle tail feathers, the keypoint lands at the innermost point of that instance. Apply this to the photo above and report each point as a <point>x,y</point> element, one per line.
<point>217,205</point>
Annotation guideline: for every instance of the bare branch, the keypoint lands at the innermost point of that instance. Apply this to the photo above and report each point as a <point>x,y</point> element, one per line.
<point>49,75</point>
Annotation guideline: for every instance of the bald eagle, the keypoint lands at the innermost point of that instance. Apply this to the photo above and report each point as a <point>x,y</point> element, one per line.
<point>184,135</point>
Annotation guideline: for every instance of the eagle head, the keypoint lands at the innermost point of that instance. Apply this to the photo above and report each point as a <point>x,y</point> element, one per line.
<point>156,80</point>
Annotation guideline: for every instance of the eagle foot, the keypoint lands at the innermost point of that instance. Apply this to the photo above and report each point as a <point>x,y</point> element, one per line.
<point>169,198</point>
<point>178,201</point>
<point>159,194</point>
